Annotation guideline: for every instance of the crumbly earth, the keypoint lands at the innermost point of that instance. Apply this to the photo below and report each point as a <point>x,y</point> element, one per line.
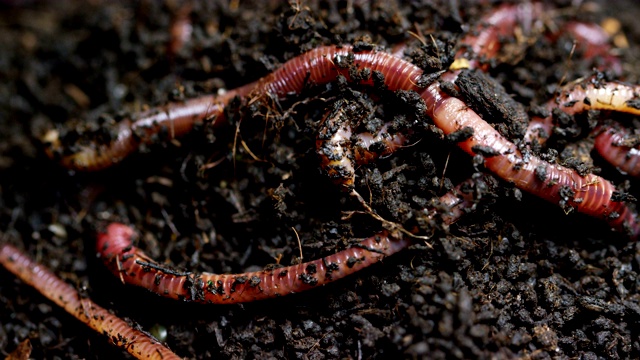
<point>514,278</point>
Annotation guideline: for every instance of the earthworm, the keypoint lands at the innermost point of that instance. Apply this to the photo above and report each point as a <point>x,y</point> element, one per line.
<point>614,146</point>
<point>485,43</point>
<point>318,66</point>
<point>180,30</point>
<point>590,194</point>
<point>136,342</point>
<point>338,148</point>
<point>586,94</point>
<point>134,267</point>
<point>485,40</point>
<point>169,121</point>
<point>594,43</point>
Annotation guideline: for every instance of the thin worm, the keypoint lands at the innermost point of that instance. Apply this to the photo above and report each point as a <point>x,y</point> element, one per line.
<point>339,149</point>
<point>614,146</point>
<point>460,200</point>
<point>319,66</point>
<point>486,42</point>
<point>169,121</point>
<point>587,94</point>
<point>590,194</point>
<point>134,267</point>
<point>136,342</point>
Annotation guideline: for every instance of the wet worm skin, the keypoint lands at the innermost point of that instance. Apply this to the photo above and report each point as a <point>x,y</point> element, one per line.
<point>590,194</point>
<point>173,120</point>
<point>589,94</point>
<point>613,145</point>
<point>133,266</point>
<point>485,43</point>
<point>319,66</point>
<point>136,342</point>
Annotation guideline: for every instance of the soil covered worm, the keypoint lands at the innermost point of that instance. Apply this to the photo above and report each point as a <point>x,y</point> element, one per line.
<point>586,94</point>
<point>129,263</point>
<point>318,66</point>
<point>590,194</point>
<point>136,342</point>
<point>340,150</point>
<point>134,267</point>
<point>620,148</point>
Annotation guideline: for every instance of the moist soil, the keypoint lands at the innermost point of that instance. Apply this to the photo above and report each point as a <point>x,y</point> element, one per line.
<point>514,278</point>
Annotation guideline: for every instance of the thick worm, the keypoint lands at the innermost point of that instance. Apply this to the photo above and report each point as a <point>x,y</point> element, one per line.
<point>136,342</point>
<point>590,194</point>
<point>617,146</point>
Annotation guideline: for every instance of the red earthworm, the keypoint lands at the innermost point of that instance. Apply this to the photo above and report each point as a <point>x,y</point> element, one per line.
<point>136,342</point>
<point>590,194</point>
<point>171,121</point>
<point>614,146</point>
<point>587,94</point>
<point>338,148</point>
<point>134,267</point>
<point>484,43</point>
<point>318,66</point>
<point>180,30</point>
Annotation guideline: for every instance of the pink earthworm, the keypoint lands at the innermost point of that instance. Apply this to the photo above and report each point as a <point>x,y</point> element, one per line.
<point>484,43</point>
<point>134,267</point>
<point>590,194</point>
<point>613,146</point>
<point>318,66</point>
<point>136,342</point>
<point>584,95</point>
<point>172,121</point>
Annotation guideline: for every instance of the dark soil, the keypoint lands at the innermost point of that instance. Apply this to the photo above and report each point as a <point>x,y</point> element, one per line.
<point>515,278</point>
